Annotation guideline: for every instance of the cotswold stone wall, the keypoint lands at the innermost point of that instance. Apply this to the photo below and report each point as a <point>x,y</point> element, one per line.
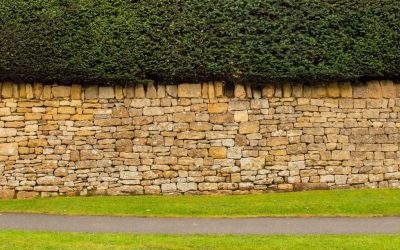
<point>197,138</point>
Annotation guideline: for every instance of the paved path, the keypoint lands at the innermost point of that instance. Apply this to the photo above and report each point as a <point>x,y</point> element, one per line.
<point>139,225</point>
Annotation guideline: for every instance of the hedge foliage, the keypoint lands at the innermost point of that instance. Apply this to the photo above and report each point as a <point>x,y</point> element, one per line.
<point>195,40</point>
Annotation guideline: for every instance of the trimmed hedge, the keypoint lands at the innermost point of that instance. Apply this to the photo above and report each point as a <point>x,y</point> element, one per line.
<point>195,40</point>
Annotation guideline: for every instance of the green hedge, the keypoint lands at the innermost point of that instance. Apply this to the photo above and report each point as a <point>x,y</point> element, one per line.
<point>195,40</point>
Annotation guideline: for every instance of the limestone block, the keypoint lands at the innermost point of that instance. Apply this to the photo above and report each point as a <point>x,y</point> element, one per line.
<point>172,90</point>
<point>217,152</point>
<point>129,91</point>
<point>47,94</point>
<point>37,90</point>
<point>240,91</point>
<point>211,90</point>
<point>339,155</point>
<point>91,154</point>
<point>106,92</point>
<point>188,90</point>
<point>91,92</point>
<point>287,89</point>
<point>241,116</point>
<point>277,141</point>
<point>204,90</point>
<point>221,118</point>
<point>217,107</point>
<point>61,91</point>
<point>151,91</point>
<point>22,90</point>
<point>252,163</point>
<point>268,90</point>
<point>7,132</point>
<point>46,188</point>
<point>310,186</point>
<point>278,91</point>
<point>119,92</point>
<point>191,135</point>
<point>76,90</point>
<point>7,90</point>
<point>29,91</point>
<point>184,117</point>
<point>15,90</point>
<point>8,149</point>
<point>7,194</point>
<point>152,189</point>
<point>249,127</point>
<point>219,89</point>
<point>168,187</point>
<point>207,186</point>
<point>130,175</point>
<point>185,187</point>
<point>139,91</point>
<point>346,90</point>
<point>200,126</point>
<point>249,91</point>
<point>374,89</point>
<point>26,195</point>
<point>239,105</point>
<point>152,111</point>
<point>37,143</point>
<point>49,181</point>
<point>388,89</point>
<point>319,91</point>
<point>333,89</point>
<point>297,90</point>
<point>161,91</point>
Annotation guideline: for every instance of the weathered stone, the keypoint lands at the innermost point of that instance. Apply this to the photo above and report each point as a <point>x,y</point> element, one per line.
<point>310,186</point>
<point>139,91</point>
<point>172,90</point>
<point>340,155</point>
<point>319,91</point>
<point>29,91</point>
<point>151,91</point>
<point>388,89</point>
<point>91,92</point>
<point>26,195</point>
<point>241,116</point>
<point>217,107</point>
<point>76,90</point>
<point>268,91</point>
<point>8,132</point>
<point>240,91</point>
<point>8,149</point>
<point>168,187</point>
<point>130,175</point>
<point>92,154</point>
<point>297,90</point>
<point>219,89</point>
<point>333,89</point>
<point>249,127</point>
<point>49,181</point>
<point>277,141</point>
<point>7,193</point>
<point>151,111</point>
<point>37,90</point>
<point>106,92</point>
<point>374,89</point>
<point>221,118</point>
<point>61,91</point>
<point>252,163</point>
<point>187,90</point>
<point>287,89</point>
<point>217,152</point>
<point>346,90</point>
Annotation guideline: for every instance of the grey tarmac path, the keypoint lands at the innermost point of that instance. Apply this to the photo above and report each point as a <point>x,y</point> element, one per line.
<point>141,225</point>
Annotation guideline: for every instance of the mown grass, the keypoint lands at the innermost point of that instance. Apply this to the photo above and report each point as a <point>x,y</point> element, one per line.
<point>10,240</point>
<point>379,202</point>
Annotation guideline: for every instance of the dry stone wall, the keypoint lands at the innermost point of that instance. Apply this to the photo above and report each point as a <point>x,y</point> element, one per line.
<point>197,138</point>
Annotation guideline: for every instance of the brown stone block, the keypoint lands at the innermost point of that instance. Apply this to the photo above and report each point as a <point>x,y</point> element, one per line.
<point>374,89</point>
<point>161,92</point>
<point>91,92</point>
<point>319,91</point>
<point>76,92</point>
<point>8,149</point>
<point>268,90</point>
<point>217,152</point>
<point>37,90</point>
<point>61,91</point>
<point>7,194</point>
<point>47,94</point>
<point>22,90</point>
<point>211,90</point>
<point>7,90</point>
<point>346,89</point>
<point>333,89</point>
<point>240,91</point>
<point>249,127</point>
<point>26,195</point>
<point>222,118</point>
<point>139,91</point>
<point>388,89</point>
<point>129,91</point>
<point>217,107</point>
<point>287,89</point>
<point>310,186</point>
<point>151,91</point>
<point>188,90</point>
<point>119,92</point>
<point>184,117</point>
<point>219,89</point>
<point>172,90</point>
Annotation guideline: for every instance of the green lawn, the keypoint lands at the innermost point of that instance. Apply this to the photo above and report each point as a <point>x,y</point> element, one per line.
<point>45,240</point>
<point>369,202</point>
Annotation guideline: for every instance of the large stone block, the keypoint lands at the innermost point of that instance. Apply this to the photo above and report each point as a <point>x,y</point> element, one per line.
<point>106,92</point>
<point>219,89</point>
<point>252,163</point>
<point>91,154</point>
<point>240,91</point>
<point>7,193</point>
<point>374,89</point>
<point>91,92</point>
<point>217,107</point>
<point>388,89</point>
<point>346,89</point>
<point>188,90</point>
<point>61,91</point>
<point>217,152</point>
<point>333,89</point>
<point>8,132</point>
<point>249,127</point>
<point>8,149</point>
